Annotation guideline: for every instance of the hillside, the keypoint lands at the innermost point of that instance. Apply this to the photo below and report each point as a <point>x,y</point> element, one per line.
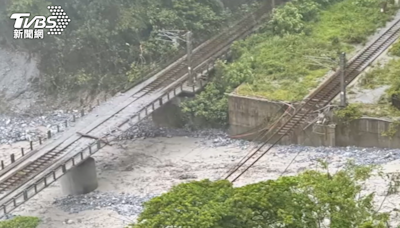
<point>106,47</point>
<point>291,54</point>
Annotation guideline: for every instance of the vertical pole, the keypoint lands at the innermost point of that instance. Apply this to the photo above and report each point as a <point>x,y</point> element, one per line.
<point>189,56</point>
<point>342,80</point>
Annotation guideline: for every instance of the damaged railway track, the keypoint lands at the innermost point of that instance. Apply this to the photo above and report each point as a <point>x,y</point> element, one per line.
<point>33,173</point>
<point>320,97</point>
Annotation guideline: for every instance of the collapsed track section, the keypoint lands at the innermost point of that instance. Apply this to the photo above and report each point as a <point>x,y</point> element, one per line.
<point>322,96</point>
<point>35,172</point>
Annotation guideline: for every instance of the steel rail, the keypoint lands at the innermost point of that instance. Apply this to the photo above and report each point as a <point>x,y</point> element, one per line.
<point>31,175</point>
<point>44,179</point>
<point>325,93</point>
<point>169,74</point>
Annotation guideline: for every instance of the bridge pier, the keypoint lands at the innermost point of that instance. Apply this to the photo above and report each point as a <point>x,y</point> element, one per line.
<point>168,115</point>
<point>81,179</point>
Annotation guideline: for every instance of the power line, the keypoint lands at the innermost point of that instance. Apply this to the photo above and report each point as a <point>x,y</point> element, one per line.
<point>260,136</point>
<point>257,150</point>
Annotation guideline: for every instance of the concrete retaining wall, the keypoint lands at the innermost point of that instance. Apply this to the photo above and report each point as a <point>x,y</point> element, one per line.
<point>367,132</point>
<point>247,113</point>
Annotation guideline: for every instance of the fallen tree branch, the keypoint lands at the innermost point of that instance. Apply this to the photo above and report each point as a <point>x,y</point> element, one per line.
<point>94,137</point>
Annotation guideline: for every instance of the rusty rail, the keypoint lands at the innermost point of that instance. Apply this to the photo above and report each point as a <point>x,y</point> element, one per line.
<point>322,96</point>
<point>22,184</point>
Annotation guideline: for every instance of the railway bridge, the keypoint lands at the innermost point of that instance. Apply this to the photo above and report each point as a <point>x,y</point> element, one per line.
<point>70,153</point>
<point>69,156</point>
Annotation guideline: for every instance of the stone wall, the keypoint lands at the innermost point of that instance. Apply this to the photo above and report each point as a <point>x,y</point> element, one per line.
<point>247,113</point>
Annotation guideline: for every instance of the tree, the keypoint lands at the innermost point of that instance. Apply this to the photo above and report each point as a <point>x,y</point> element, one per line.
<point>200,203</point>
<point>105,38</point>
<point>307,200</point>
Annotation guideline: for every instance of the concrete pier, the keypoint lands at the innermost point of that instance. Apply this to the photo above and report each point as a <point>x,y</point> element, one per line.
<point>81,179</point>
<point>168,115</point>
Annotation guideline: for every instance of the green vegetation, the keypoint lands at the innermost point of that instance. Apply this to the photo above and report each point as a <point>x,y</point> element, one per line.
<point>386,75</point>
<point>384,110</point>
<point>20,222</point>
<point>291,54</point>
<point>349,113</point>
<point>393,129</point>
<point>395,49</point>
<point>303,201</point>
<point>100,49</point>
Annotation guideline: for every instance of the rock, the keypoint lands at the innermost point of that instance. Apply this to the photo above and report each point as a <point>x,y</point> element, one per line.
<point>187,176</point>
<point>25,128</point>
<point>68,221</point>
<point>123,204</point>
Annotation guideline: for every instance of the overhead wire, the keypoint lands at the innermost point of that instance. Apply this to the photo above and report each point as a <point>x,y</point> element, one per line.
<point>298,153</point>
<point>260,136</point>
<point>257,150</point>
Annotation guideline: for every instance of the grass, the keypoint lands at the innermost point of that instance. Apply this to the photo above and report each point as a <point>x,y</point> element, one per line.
<point>395,49</point>
<point>287,68</point>
<point>290,55</point>
<point>379,110</point>
<point>388,74</point>
<point>20,222</point>
<point>381,75</point>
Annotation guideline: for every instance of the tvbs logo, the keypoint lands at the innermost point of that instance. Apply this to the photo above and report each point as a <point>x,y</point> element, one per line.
<point>56,23</point>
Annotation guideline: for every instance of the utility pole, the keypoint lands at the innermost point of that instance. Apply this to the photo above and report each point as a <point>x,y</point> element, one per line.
<point>189,57</point>
<point>173,36</point>
<point>343,102</point>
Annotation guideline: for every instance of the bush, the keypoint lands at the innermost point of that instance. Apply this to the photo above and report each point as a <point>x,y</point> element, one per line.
<point>302,201</point>
<point>349,113</point>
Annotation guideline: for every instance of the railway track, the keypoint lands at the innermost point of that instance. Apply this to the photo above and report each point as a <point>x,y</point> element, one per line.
<point>35,172</point>
<point>322,96</point>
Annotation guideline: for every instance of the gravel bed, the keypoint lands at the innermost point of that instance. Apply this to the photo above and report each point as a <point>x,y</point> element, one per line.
<point>131,205</point>
<point>218,138</point>
<point>123,204</point>
<point>361,156</point>
<point>26,128</point>
<point>210,137</point>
